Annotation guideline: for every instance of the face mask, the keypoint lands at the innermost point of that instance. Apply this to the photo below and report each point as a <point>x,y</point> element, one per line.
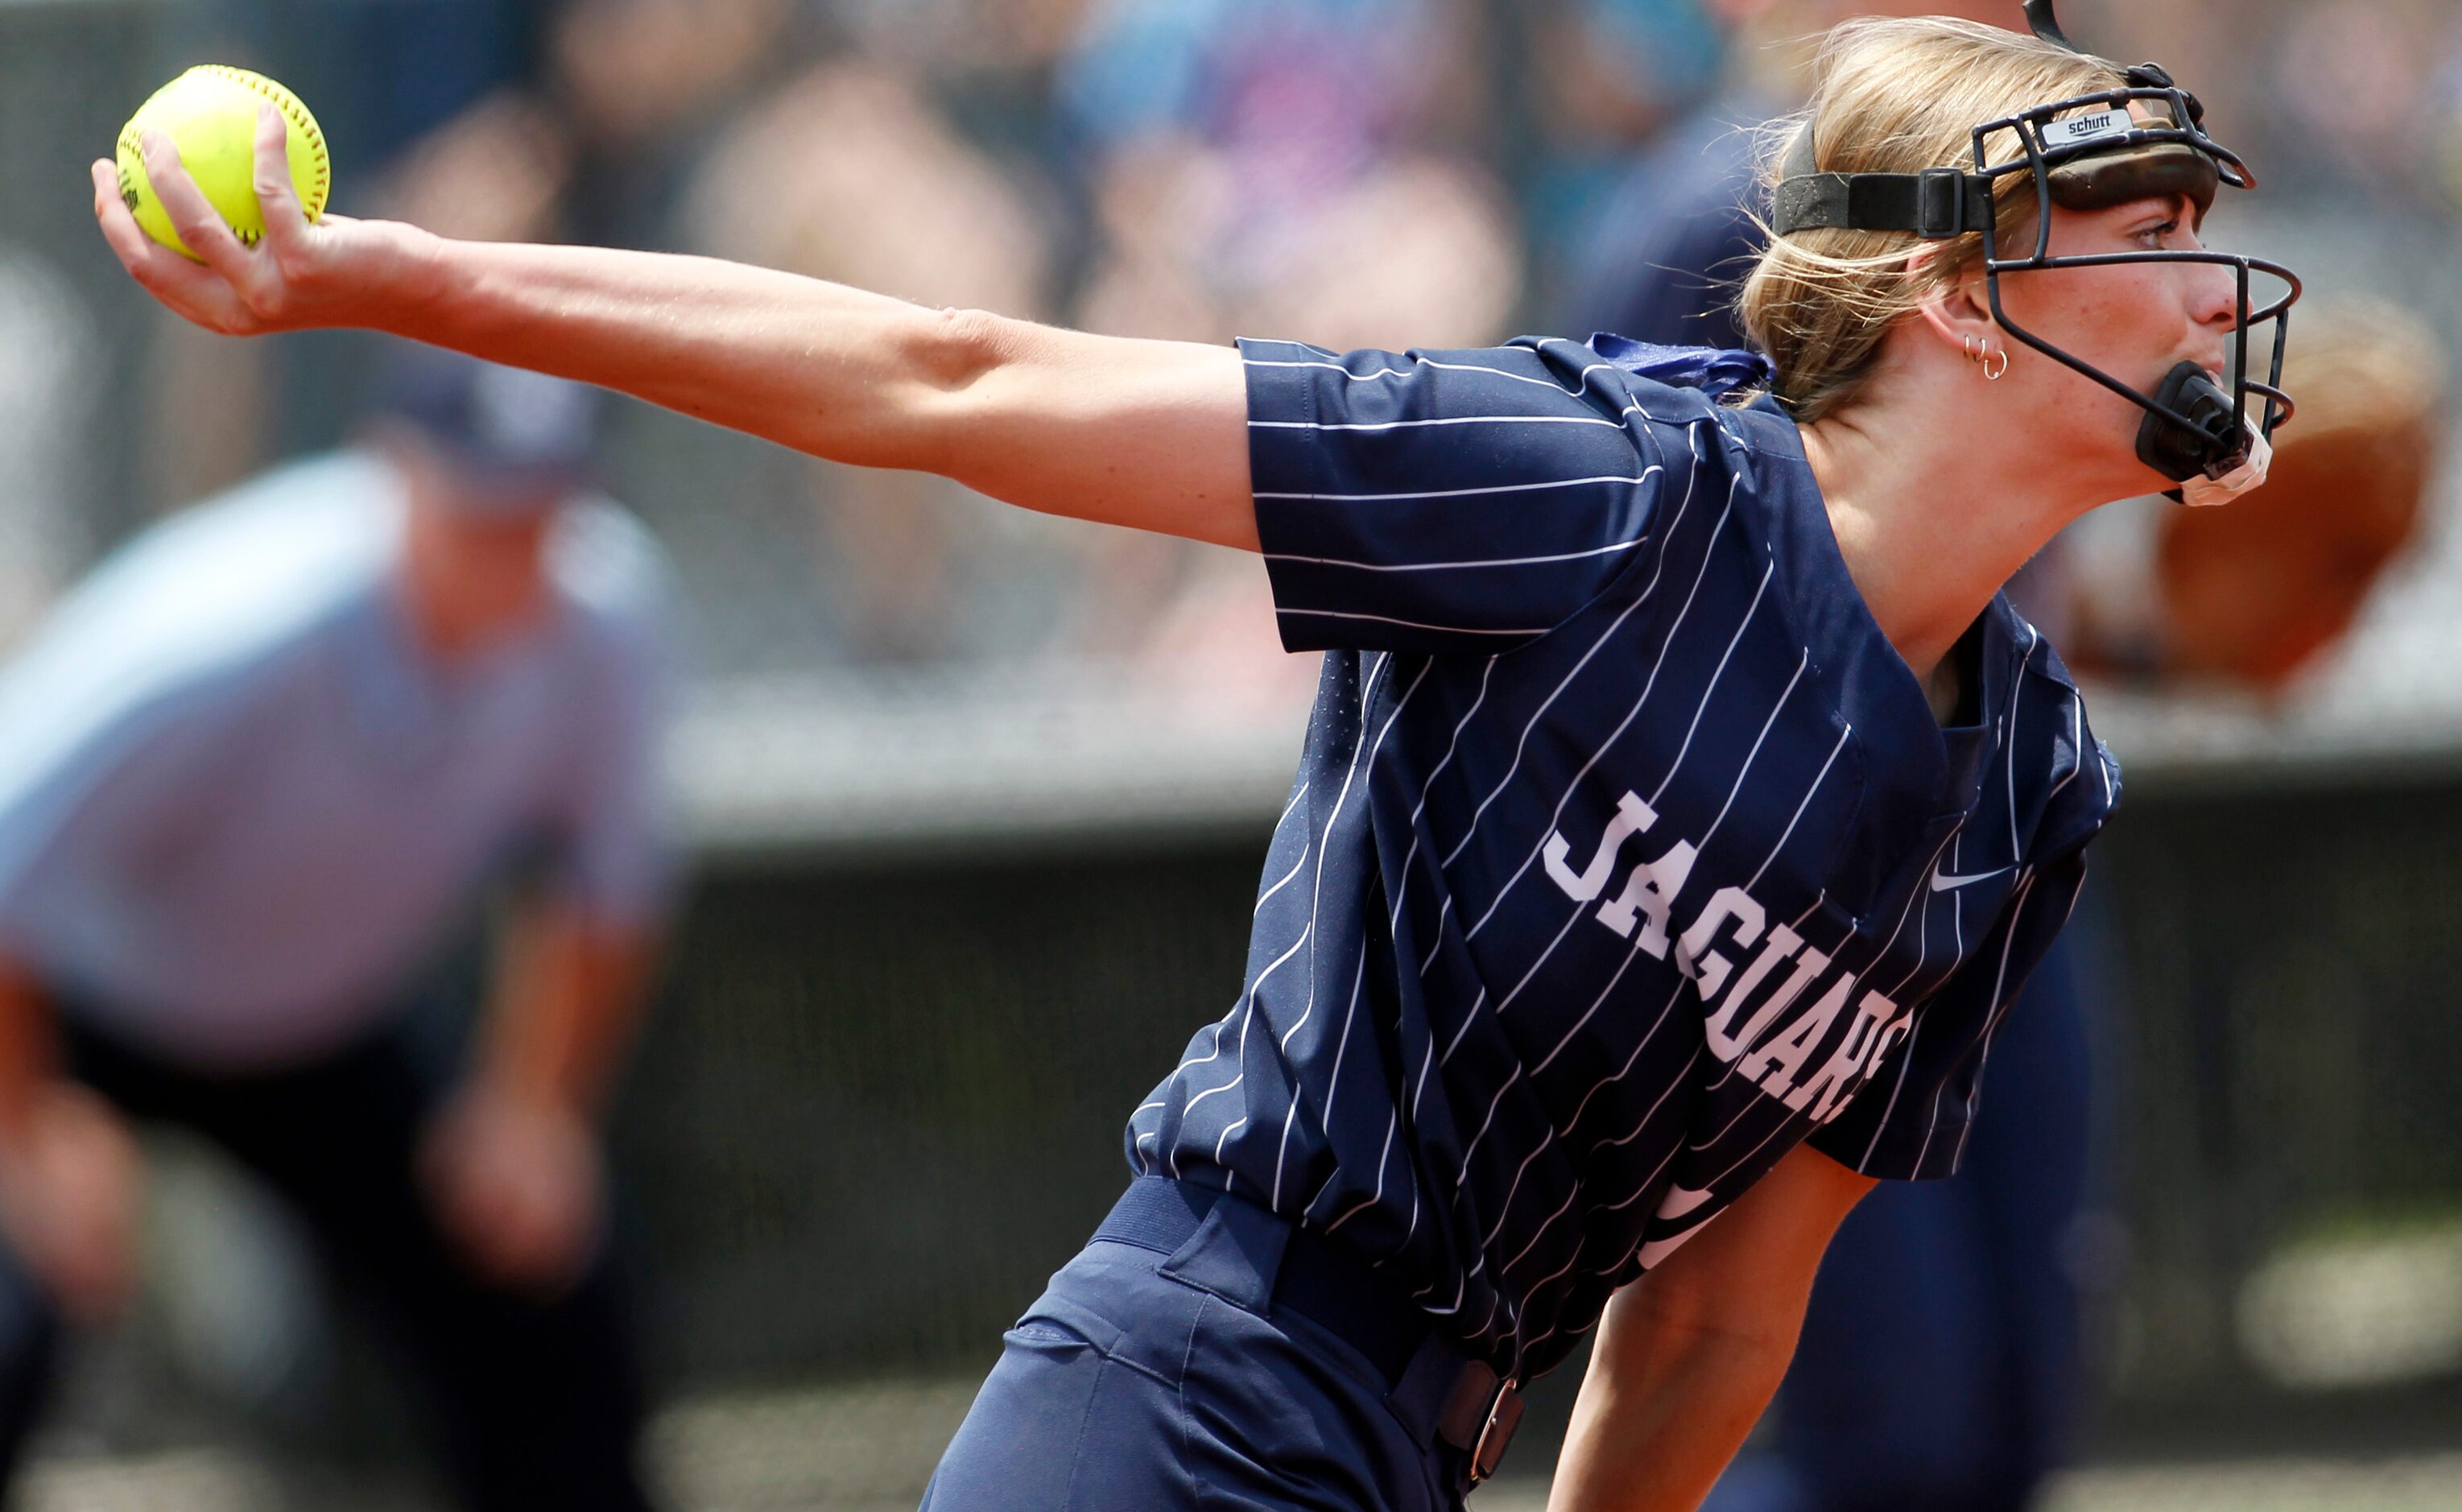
<point>2203,492</point>
<point>2145,139</point>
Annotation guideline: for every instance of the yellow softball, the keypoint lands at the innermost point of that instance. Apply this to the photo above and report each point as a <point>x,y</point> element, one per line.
<point>209,113</point>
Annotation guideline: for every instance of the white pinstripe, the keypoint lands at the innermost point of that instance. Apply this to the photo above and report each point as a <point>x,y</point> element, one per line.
<point>1575,392</point>
<point>1362,751</point>
<point>1712,691</point>
<point>1712,833</point>
<point>1906,1053</point>
<point>1372,427</point>
<point>1632,953</point>
<point>1484,491</point>
<point>1557,814</point>
<point>1485,1124</point>
<point>1958,900</point>
<point>1402,888</point>
<point>1406,624</point>
<point>1906,1050</point>
<point>1282,1150</point>
<point>2034,638</point>
<point>1609,550</point>
<point>1307,848</point>
<point>1844,732</point>
<point>1991,1027</point>
<point>1418,1094</point>
<point>1476,1002</point>
<point>1522,746</point>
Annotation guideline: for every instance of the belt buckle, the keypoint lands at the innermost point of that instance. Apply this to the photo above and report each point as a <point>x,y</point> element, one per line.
<point>1502,1417</point>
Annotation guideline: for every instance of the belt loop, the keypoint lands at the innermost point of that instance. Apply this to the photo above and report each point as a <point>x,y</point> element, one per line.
<point>1425,1391</point>
<point>1236,1253</point>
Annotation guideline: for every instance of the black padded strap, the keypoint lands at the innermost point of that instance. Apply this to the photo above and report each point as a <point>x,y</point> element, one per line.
<point>2046,24</point>
<point>1935,204</point>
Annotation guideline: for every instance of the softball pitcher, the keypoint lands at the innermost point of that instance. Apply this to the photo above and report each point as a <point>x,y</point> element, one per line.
<point>1682,802</point>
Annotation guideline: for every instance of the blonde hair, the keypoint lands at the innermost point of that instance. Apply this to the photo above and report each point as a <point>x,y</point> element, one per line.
<point>1894,97</point>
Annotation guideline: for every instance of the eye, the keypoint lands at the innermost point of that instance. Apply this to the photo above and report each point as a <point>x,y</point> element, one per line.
<point>2161,232</point>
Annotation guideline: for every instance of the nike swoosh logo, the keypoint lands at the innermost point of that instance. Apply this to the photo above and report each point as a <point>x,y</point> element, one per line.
<point>1943,882</point>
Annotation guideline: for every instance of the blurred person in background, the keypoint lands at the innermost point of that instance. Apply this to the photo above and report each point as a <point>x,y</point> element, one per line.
<point>2363,94</point>
<point>1671,239</point>
<point>1237,157</point>
<point>816,142</point>
<point>601,140</point>
<point>1617,74</point>
<point>1240,155</point>
<point>256,773</point>
<point>849,169</point>
<point>1941,1364</point>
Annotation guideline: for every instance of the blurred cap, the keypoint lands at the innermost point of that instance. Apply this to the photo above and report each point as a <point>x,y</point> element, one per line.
<point>519,439</point>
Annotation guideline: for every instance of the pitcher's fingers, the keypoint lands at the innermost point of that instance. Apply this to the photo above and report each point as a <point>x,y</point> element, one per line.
<point>194,290</point>
<point>119,228</point>
<point>277,199</point>
<point>128,240</point>
<point>192,215</point>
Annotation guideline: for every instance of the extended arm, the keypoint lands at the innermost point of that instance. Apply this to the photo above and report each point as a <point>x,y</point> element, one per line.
<point>1148,434</point>
<point>68,1165</point>
<point>511,1162</point>
<point>567,1000</point>
<point>1688,1355</point>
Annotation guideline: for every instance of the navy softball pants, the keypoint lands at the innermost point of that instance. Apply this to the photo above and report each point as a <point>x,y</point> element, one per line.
<point>1149,1382</point>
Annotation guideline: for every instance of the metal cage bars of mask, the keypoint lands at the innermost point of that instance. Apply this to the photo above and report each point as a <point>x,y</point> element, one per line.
<point>2041,160</point>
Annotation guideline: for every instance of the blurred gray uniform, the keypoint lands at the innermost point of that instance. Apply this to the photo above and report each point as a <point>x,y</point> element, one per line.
<point>240,809</point>
<point>237,801</point>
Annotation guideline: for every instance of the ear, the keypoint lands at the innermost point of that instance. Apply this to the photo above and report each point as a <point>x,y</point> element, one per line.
<point>1957,312</point>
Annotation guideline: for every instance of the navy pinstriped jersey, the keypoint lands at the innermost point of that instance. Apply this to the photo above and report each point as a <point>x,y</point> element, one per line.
<point>1624,854</point>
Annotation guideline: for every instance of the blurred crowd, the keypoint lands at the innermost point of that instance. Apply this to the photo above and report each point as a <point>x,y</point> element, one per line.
<point>1192,168</point>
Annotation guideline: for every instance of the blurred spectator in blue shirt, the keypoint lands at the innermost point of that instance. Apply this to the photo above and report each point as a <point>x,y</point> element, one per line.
<point>1238,154</point>
<point>1624,82</point>
<point>255,772</point>
<point>1241,154</point>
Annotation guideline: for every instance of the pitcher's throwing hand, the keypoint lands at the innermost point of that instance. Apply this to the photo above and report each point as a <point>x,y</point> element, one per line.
<point>328,272</point>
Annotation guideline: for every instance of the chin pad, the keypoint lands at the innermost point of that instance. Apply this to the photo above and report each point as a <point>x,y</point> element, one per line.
<point>2217,444</point>
<point>2155,171</point>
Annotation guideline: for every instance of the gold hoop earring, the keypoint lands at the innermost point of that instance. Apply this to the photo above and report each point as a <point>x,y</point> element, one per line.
<point>1971,354</point>
<point>1991,374</point>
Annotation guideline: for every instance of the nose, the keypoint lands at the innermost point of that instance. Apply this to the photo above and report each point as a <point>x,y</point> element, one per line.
<point>2213,296</point>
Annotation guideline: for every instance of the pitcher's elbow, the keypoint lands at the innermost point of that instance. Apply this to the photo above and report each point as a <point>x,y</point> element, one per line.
<point>956,348</point>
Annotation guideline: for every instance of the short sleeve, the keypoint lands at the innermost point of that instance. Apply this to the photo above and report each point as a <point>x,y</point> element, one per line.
<point>86,793</point>
<point>1446,502</point>
<point>1910,1122</point>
